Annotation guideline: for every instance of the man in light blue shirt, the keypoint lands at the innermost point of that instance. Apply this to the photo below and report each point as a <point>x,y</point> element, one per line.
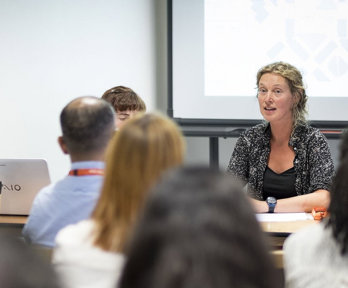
<point>87,125</point>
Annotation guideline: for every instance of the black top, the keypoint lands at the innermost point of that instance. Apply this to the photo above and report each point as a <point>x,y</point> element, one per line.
<point>279,185</point>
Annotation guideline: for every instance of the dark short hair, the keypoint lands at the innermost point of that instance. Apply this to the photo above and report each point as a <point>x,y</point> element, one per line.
<point>198,230</point>
<point>123,98</point>
<point>87,124</point>
<point>338,210</point>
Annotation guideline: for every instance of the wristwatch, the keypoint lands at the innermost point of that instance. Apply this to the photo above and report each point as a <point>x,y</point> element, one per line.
<point>271,202</point>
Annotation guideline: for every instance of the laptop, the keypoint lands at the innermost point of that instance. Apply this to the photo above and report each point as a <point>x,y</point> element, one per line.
<point>21,180</point>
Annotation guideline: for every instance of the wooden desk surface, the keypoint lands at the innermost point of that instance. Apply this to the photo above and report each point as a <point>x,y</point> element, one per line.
<point>270,227</point>
<point>7,219</point>
<point>286,227</point>
<point>277,233</point>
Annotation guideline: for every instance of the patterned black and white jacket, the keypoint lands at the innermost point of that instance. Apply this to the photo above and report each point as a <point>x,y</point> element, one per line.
<point>313,163</point>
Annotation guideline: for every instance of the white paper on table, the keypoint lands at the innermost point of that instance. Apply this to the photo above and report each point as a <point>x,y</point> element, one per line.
<point>283,217</point>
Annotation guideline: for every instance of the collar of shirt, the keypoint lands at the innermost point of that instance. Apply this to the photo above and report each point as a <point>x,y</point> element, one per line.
<point>87,165</point>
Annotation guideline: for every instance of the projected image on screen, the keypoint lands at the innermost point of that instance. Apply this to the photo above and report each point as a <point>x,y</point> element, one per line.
<point>242,36</point>
<point>219,45</point>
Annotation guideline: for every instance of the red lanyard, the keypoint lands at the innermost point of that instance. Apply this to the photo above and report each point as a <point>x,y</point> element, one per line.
<point>86,172</point>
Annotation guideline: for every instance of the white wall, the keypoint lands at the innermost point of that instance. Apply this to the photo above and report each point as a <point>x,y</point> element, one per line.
<point>53,51</point>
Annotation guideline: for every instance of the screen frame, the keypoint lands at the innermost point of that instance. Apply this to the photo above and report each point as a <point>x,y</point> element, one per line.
<point>213,122</point>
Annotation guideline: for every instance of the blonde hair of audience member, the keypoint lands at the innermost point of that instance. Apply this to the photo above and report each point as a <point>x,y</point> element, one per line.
<point>146,145</point>
<point>126,103</point>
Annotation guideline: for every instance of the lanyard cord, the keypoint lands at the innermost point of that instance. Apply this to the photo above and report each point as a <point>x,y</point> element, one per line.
<point>86,172</point>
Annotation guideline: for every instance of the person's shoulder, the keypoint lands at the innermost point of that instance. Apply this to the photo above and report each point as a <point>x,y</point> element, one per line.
<point>305,133</point>
<point>49,192</point>
<point>304,238</point>
<point>71,187</point>
<point>41,200</point>
<point>75,244</point>
<point>256,131</point>
<point>75,234</point>
<point>45,191</point>
<point>307,130</point>
<point>312,258</point>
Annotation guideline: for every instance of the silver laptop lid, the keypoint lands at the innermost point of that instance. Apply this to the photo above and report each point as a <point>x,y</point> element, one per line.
<point>21,181</point>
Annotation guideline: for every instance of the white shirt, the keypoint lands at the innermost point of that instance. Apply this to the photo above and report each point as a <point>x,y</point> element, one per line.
<point>81,264</point>
<point>312,259</point>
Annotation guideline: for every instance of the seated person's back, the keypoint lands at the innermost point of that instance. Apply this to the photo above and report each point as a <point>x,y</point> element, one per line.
<point>87,124</point>
<point>90,253</point>
<point>317,256</point>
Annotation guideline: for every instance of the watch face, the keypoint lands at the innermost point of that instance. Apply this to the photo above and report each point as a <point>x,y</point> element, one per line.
<point>271,200</point>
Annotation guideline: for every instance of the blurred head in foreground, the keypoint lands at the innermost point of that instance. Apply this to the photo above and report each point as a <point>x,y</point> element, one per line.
<point>198,230</point>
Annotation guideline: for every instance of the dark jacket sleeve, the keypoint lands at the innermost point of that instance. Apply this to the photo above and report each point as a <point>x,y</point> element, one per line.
<point>239,164</point>
<point>321,164</point>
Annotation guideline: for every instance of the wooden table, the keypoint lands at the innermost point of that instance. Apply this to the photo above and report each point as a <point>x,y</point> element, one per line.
<point>286,227</point>
<point>277,232</point>
<point>12,225</point>
<point>10,219</point>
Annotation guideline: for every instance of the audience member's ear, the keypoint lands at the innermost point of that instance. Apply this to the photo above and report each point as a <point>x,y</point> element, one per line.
<point>62,145</point>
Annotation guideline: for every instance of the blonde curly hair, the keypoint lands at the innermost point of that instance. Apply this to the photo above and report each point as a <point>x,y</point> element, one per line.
<point>294,79</point>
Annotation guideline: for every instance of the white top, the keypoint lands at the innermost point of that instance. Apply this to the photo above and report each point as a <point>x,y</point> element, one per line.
<point>81,264</point>
<point>312,259</point>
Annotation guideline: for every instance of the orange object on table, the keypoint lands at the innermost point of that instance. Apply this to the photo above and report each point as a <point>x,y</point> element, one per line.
<point>319,213</point>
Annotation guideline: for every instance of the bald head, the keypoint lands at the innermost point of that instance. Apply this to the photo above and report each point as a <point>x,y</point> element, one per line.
<point>87,124</point>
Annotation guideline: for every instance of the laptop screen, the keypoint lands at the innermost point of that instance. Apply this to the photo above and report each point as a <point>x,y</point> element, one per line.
<point>21,180</point>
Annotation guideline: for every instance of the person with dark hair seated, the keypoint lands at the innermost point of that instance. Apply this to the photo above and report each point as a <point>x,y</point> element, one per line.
<point>317,256</point>
<point>198,230</point>
<point>87,126</point>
